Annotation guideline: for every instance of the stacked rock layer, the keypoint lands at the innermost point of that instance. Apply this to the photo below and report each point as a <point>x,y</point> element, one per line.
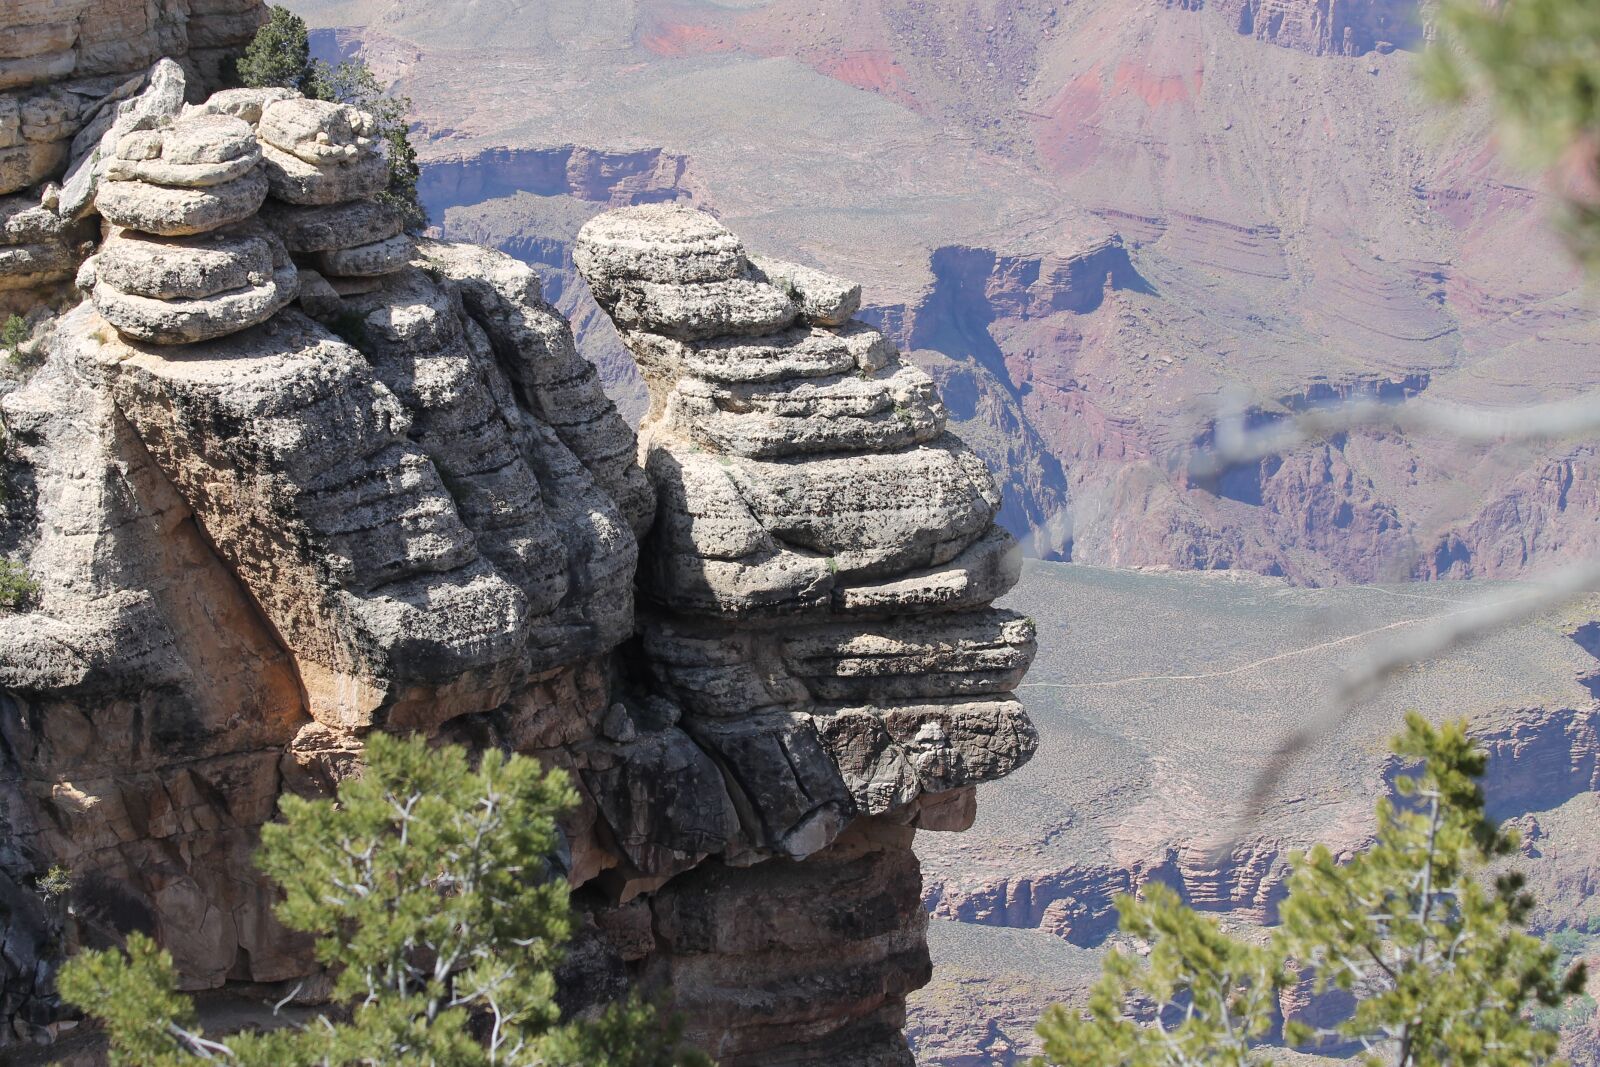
<point>68,70</point>
<point>183,260</point>
<point>296,475</point>
<point>816,590</point>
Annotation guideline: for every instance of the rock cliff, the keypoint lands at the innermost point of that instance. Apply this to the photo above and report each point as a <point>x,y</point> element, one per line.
<point>1323,27</point>
<point>288,475</point>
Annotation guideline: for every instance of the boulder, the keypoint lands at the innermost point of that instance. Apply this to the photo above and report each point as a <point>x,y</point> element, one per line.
<point>164,268</point>
<point>170,211</point>
<point>321,153</point>
<point>368,260</point>
<point>298,182</point>
<point>245,104</point>
<point>317,132</point>
<point>661,243</point>
<point>195,152</point>
<point>824,299</point>
<point>182,321</point>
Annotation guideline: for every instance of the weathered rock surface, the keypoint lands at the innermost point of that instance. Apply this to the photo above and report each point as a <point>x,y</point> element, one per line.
<point>262,531</point>
<point>39,253</point>
<point>161,268</point>
<point>331,227</point>
<point>171,211</point>
<point>792,464</point>
<point>319,152</point>
<point>172,275</point>
<point>823,299</point>
<point>194,152</point>
<point>177,321</point>
<point>51,40</point>
<point>75,76</point>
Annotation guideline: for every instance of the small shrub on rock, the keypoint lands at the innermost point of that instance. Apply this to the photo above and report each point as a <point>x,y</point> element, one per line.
<point>427,888</point>
<point>18,590</point>
<point>280,55</point>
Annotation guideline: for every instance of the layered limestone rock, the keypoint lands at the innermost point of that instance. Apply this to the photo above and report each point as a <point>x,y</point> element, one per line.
<point>292,475</point>
<point>56,40</point>
<point>817,585</point>
<point>183,261</point>
<point>75,75</point>
<point>324,168</point>
<point>39,251</point>
<point>321,153</point>
<point>258,540</point>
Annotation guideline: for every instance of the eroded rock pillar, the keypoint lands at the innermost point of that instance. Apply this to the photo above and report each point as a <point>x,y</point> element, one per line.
<point>815,601</point>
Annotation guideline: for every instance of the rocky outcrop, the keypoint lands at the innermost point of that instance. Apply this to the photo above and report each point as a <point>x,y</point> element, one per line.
<point>298,475</point>
<point>54,40</point>
<point>69,70</point>
<point>816,589</point>
<point>175,267</point>
<point>39,252</point>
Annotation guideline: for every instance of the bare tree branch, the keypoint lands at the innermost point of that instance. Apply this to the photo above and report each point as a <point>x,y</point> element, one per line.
<point>1539,422</point>
<point>1366,678</point>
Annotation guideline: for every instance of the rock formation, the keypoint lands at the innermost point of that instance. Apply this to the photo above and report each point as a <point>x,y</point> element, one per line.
<point>814,601</point>
<point>291,475</point>
<point>1323,27</point>
<point>69,71</point>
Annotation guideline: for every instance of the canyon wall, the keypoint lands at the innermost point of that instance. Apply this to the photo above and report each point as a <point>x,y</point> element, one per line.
<point>286,475</point>
<point>1159,724</point>
<point>1290,221</point>
<point>1324,27</point>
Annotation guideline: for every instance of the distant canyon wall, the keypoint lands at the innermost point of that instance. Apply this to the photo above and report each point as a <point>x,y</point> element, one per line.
<point>1322,27</point>
<point>612,177</point>
<point>1030,351</point>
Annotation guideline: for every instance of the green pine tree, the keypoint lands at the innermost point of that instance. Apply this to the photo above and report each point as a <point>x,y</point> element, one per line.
<point>280,55</point>
<point>14,333</point>
<point>427,889</point>
<point>1214,995</point>
<point>1441,968</point>
<point>1436,956</point>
